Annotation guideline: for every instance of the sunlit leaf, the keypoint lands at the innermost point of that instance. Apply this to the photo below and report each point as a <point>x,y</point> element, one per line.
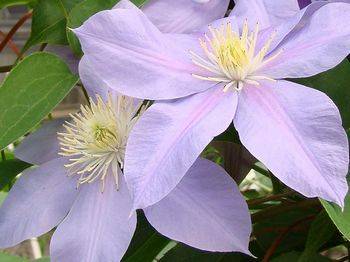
<point>31,90</point>
<point>340,218</point>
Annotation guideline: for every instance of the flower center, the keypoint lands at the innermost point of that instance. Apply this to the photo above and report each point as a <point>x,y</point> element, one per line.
<point>232,58</point>
<point>95,140</point>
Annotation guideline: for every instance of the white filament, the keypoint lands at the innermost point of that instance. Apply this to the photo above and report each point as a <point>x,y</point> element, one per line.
<point>95,140</point>
<point>231,58</point>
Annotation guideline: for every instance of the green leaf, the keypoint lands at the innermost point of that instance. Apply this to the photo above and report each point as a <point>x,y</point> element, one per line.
<point>3,195</point>
<point>341,218</point>
<point>43,259</point>
<point>9,169</point>
<point>293,256</point>
<point>296,236</point>
<point>146,243</point>
<point>321,230</point>
<point>335,83</point>
<point>7,3</point>
<point>82,11</point>
<point>183,253</point>
<point>49,22</point>
<point>31,90</point>
<point>11,258</point>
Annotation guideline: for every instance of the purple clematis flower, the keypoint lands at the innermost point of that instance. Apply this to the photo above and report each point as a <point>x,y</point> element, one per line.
<point>95,220</point>
<point>234,72</point>
<point>304,3</point>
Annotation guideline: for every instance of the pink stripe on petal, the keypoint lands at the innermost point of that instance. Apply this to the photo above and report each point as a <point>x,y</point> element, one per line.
<point>168,139</point>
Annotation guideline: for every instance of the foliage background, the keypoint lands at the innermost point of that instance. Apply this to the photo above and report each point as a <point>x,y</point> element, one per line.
<point>287,226</point>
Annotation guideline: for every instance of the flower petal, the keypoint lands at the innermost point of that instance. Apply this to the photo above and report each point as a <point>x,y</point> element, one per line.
<point>205,210</point>
<point>38,201</point>
<point>297,133</point>
<point>42,145</point>
<point>168,138</point>
<point>303,3</point>
<point>184,16</point>
<point>93,83</point>
<point>98,227</point>
<point>266,12</point>
<point>318,44</point>
<point>134,58</point>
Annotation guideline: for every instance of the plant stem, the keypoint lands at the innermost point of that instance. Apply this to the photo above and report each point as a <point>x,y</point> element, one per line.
<point>275,210</point>
<point>3,156</point>
<point>14,29</point>
<point>281,236</point>
<point>11,44</point>
<point>5,69</point>
<point>258,201</point>
<point>85,93</point>
<point>42,47</point>
<point>261,170</point>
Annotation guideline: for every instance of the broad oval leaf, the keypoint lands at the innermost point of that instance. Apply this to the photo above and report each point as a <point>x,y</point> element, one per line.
<point>31,90</point>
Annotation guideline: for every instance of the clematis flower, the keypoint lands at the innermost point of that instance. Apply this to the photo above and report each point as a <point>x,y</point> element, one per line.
<point>79,187</point>
<point>304,3</point>
<point>235,72</point>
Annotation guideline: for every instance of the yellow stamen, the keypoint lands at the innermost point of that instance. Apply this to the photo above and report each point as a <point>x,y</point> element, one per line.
<point>95,140</point>
<point>232,58</point>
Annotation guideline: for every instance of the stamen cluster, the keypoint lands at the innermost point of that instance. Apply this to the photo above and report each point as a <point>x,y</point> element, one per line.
<point>95,140</point>
<point>232,58</point>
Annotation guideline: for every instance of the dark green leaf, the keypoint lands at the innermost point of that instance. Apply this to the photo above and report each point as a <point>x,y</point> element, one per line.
<point>294,256</point>
<point>49,22</point>
<point>295,222</point>
<point>321,230</point>
<point>9,169</point>
<point>31,90</point>
<point>183,253</point>
<point>146,243</point>
<point>335,83</point>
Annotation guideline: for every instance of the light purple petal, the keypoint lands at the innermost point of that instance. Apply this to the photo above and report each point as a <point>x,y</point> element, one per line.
<point>266,12</point>
<point>42,145</point>
<point>98,227</point>
<point>205,210</point>
<point>319,43</point>
<point>184,16</point>
<point>297,133</point>
<point>92,82</point>
<point>168,138</point>
<point>134,58</point>
<point>38,201</point>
